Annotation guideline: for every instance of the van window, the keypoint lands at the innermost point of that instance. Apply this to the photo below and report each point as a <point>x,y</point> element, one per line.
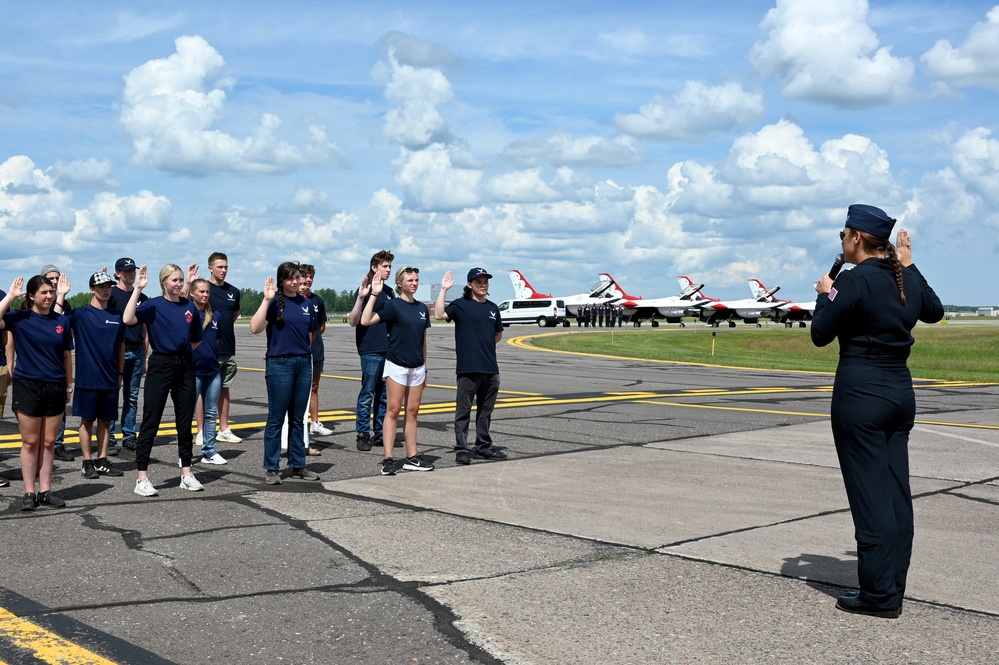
<point>505,305</point>
<point>531,304</point>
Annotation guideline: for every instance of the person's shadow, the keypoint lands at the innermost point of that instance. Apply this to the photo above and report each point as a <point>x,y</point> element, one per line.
<point>823,573</point>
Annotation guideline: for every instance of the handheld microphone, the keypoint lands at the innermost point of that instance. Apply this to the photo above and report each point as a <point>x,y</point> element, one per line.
<point>837,264</point>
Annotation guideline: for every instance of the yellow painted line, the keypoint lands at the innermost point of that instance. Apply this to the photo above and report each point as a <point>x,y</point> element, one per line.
<point>46,647</point>
<point>736,408</point>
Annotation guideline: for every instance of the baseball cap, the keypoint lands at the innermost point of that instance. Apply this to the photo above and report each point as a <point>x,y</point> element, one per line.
<point>475,273</point>
<point>99,278</point>
<point>124,263</point>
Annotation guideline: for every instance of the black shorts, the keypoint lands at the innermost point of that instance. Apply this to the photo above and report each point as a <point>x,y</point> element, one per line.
<point>91,404</point>
<point>317,369</point>
<point>38,399</point>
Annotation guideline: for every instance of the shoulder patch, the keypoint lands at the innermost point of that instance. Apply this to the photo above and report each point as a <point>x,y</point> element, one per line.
<point>832,294</point>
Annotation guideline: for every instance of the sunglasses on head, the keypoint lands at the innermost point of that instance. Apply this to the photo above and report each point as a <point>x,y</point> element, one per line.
<point>407,269</point>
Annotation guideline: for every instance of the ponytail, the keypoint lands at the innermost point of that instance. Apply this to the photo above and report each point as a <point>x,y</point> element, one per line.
<point>280,316</point>
<point>897,267</point>
<point>875,245</point>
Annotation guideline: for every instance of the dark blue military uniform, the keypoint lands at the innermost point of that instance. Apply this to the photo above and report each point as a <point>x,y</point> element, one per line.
<point>873,409</point>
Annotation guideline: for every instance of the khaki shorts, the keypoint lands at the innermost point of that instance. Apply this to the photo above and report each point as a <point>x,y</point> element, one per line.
<point>227,369</point>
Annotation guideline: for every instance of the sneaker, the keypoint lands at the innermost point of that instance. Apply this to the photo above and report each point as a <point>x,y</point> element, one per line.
<point>198,439</point>
<point>113,450</point>
<point>29,502</point>
<point>213,459</point>
<point>304,474</point>
<point>144,487</point>
<point>190,483</point>
<point>106,468</point>
<point>128,444</point>
<point>463,457</point>
<point>388,467</point>
<point>63,455</point>
<point>416,463</point>
<point>4,482</point>
<point>89,472</point>
<point>226,436</point>
<point>363,442</point>
<point>51,500</point>
<point>273,477</point>
<point>490,453</point>
<point>319,429</point>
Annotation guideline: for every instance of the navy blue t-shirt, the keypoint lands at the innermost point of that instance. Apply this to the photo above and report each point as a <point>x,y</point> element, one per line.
<point>319,309</point>
<point>3,337</point>
<point>172,326</point>
<point>373,339</point>
<point>290,337</point>
<point>225,303</point>
<point>407,324</point>
<point>206,356</point>
<point>39,342</point>
<point>475,327</point>
<point>99,334</point>
<point>116,304</point>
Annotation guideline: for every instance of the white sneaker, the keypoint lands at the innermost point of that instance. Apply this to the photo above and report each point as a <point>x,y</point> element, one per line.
<point>144,487</point>
<point>198,439</point>
<point>226,436</point>
<point>190,483</point>
<point>319,429</point>
<point>214,459</point>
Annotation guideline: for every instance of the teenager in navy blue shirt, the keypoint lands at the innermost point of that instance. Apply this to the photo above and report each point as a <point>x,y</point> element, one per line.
<point>477,330</point>
<point>207,371</point>
<point>318,352</point>
<point>100,357</point>
<point>406,320</point>
<point>290,323</point>
<point>43,382</point>
<point>4,373</point>
<point>174,330</point>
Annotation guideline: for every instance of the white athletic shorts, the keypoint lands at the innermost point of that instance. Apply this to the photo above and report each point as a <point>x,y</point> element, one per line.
<point>405,376</point>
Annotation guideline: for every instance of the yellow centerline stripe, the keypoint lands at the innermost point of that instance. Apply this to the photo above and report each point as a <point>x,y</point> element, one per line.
<point>46,647</point>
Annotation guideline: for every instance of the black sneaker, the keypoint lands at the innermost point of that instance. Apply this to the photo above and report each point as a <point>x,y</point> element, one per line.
<point>63,455</point>
<point>29,502</point>
<point>128,444</point>
<point>363,442</point>
<point>106,468</point>
<point>49,499</point>
<point>4,482</point>
<point>463,457</point>
<point>416,463</point>
<point>304,474</point>
<point>89,472</point>
<point>113,451</point>
<point>490,453</point>
<point>388,467</point>
<point>273,477</point>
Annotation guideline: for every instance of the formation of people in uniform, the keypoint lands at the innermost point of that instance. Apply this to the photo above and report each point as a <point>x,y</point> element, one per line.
<point>183,342</point>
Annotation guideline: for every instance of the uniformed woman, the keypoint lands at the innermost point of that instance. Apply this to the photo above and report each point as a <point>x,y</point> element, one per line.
<point>872,310</point>
<point>43,382</point>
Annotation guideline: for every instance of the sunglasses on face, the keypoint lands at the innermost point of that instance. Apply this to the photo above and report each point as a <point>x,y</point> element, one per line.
<point>842,236</point>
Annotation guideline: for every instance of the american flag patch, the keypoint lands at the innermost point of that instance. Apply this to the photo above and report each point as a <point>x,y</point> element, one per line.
<point>832,294</point>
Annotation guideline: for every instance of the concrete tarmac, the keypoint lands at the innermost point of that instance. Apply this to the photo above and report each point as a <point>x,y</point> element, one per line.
<point>648,513</point>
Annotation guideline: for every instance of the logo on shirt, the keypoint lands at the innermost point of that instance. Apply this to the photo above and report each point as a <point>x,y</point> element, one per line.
<point>492,315</point>
<point>60,329</point>
<point>423,316</point>
<point>305,310</point>
<point>188,316</point>
<point>315,308</point>
<point>111,323</point>
<point>232,296</point>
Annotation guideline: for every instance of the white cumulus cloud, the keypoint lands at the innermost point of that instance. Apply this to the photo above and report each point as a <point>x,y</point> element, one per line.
<point>826,52</point>
<point>562,149</point>
<point>693,113</point>
<point>169,108</point>
<point>973,63</point>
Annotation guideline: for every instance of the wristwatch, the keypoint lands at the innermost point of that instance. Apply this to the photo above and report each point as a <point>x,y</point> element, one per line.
<point>69,390</point>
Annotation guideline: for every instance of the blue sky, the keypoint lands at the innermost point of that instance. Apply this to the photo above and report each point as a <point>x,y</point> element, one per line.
<point>718,140</point>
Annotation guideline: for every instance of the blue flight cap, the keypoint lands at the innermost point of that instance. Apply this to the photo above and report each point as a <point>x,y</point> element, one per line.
<point>869,220</point>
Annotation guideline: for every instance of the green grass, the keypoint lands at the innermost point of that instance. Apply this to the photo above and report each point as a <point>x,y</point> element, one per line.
<point>962,353</point>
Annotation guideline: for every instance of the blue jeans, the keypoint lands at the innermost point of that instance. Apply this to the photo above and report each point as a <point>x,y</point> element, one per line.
<point>208,388</point>
<point>372,392</point>
<point>289,384</point>
<point>130,393</point>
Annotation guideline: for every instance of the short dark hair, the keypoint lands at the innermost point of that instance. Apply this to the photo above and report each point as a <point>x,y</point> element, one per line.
<point>216,256</point>
<point>379,258</point>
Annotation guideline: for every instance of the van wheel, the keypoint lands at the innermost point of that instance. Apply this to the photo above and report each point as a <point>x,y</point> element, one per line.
<point>542,322</point>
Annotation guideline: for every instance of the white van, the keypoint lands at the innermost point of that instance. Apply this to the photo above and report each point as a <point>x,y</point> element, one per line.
<point>542,311</point>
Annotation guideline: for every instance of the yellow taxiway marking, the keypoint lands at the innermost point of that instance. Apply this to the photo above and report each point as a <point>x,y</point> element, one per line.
<point>47,647</point>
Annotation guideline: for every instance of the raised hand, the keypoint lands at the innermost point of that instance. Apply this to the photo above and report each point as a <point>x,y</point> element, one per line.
<point>141,278</point>
<point>270,289</point>
<point>365,287</point>
<point>63,287</point>
<point>192,273</point>
<point>17,288</point>
<point>903,247</point>
<point>448,281</point>
<point>377,283</point>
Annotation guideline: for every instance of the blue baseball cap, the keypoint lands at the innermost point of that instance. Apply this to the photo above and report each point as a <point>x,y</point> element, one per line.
<point>475,273</point>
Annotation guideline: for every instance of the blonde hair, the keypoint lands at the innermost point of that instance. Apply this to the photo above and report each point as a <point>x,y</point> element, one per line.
<point>208,305</point>
<point>399,274</point>
<point>166,271</point>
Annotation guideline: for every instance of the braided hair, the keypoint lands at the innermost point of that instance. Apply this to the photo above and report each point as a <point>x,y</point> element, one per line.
<point>875,245</point>
<point>285,271</point>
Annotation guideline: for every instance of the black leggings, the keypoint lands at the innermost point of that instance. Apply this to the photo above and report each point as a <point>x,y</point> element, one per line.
<point>173,376</point>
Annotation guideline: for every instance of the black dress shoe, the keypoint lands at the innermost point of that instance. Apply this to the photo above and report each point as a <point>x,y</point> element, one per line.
<point>490,453</point>
<point>852,603</point>
<point>29,502</point>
